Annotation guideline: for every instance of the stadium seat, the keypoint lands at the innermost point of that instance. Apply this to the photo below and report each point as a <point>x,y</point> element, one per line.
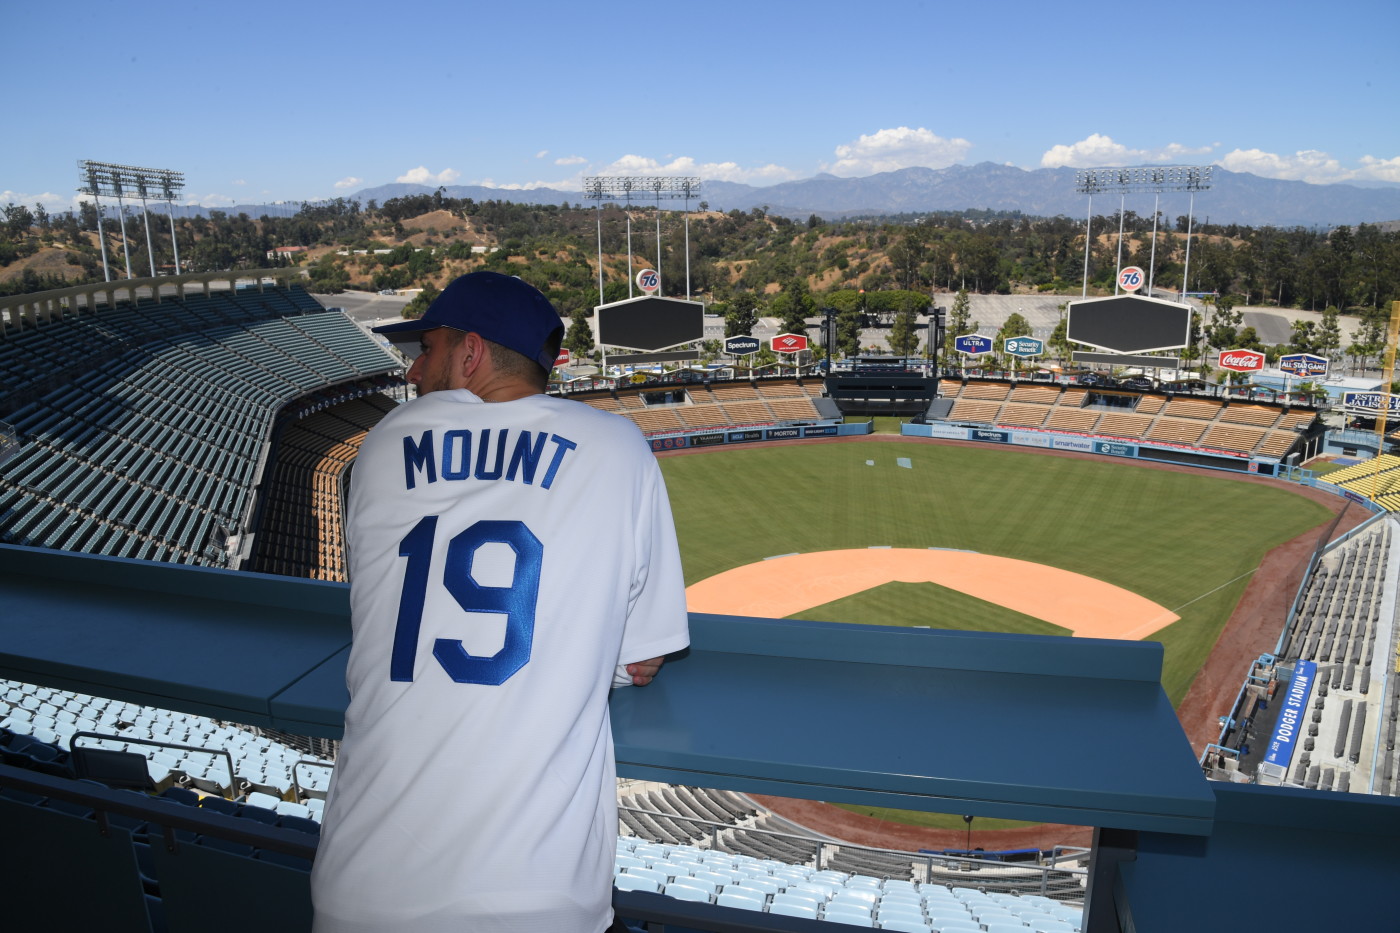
<point>848,913</point>
<point>745,898</point>
<point>630,882</point>
<point>1005,926</point>
<point>905,925</point>
<point>682,890</point>
<point>798,908</point>
<point>1051,926</point>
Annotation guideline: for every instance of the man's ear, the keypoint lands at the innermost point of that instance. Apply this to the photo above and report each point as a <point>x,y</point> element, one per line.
<point>472,356</point>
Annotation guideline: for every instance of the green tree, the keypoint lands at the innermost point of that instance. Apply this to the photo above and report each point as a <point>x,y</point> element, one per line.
<point>579,337</point>
<point>1303,338</point>
<point>959,320</point>
<point>1016,326</point>
<point>904,338</point>
<point>741,316</point>
<point>419,304</point>
<point>328,277</point>
<point>794,305</point>
<point>848,322</point>
<point>1328,339</point>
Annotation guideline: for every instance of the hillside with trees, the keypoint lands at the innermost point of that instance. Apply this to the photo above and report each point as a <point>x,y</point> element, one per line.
<point>743,263</point>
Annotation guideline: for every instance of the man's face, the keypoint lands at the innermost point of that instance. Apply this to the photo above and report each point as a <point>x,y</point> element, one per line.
<point>439,365</point>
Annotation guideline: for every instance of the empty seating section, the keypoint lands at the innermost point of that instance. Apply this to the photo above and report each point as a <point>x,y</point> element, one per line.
<point>975,410</point>
<point>205,757</point>
<point>1239,438</point>
<point>299,528</point>
<point>720,405</point>
<point>1175,430</point>
<point>1235,427</point>
<point>1260,416</point>
<point>987,391</point>
<point>1123,424</point>
<point>1343,624</point>
<point>1035,394</point>
<point>1202,409</point>
<point>1023,415</point>
<point>876,890</point>
<point>144,424</point>
<point>1078,420</point>
<point>1150,405</point>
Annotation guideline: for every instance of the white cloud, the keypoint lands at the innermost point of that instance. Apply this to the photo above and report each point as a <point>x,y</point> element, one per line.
<point>211,200</point>
<point>421,176</point>
<point>1310,165</point>
<point>542,153</point>
<point>52,202</point>
<point>240,181</point>
<point>710,171</point>
<point>889,150</point>
<point>349,181</point>
<point>1380,169</point>
<point>1100,150</point>
<point>1304,165</point>
<point>632,164</point>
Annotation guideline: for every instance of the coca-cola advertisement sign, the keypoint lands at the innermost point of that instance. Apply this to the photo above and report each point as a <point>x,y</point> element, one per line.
<point>1241,361</point>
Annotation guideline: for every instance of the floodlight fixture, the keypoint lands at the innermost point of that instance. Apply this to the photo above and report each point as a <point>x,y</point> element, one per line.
<point>115,180</point>
<point>1154,178</point>
<point>602,188</point>
<point>624,187</point>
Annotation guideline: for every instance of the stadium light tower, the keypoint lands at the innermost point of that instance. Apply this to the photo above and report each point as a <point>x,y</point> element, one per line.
<point>115,181</point>
<point>602,188</point>
<point>1154,178</point>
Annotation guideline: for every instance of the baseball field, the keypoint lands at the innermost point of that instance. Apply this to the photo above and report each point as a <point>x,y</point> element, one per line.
<point>1059,544</point>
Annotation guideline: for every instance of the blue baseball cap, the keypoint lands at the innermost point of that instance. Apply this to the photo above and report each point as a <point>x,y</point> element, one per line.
<point>501,308</point>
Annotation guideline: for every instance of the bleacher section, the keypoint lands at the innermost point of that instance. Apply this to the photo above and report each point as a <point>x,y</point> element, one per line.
<point>179,750</point>
<point>712,826</point>
<point>1377,478</point>
<point>144,425</point>
<point>299,531</point>
<point>998,899</point>
<point>1211,424</point>
<point>717,405</point>
<point>1341,625</point>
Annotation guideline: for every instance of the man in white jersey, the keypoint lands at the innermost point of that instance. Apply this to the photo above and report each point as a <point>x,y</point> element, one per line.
<point>512,558</point>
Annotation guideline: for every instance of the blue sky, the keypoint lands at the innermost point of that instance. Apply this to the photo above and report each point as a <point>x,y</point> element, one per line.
<point>258,102</point>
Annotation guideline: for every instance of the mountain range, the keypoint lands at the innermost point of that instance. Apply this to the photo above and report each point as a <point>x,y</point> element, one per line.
<point>1233,197</point>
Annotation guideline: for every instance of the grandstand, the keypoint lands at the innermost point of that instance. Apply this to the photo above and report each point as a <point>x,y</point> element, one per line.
<point>144,426</point>
<point>1217,426</point>
<point>716,405</point>
<point>1330,684</point>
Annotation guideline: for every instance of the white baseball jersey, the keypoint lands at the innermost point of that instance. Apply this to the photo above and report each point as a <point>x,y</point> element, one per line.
<point>504,559</point>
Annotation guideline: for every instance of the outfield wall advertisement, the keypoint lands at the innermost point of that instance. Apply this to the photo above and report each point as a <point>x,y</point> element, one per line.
<point>1088,444</point>
<point>749,435</point>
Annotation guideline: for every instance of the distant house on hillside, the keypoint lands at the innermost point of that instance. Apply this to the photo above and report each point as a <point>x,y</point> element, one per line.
<point>286,252</point>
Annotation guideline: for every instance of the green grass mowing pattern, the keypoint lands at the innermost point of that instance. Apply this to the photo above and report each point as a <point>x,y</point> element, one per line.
<point>929,605</point>
<point>933,820</point>
<point>1188,541</point>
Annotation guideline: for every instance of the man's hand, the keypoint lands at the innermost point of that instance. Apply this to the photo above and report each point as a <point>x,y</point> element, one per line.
<point>643,671</point>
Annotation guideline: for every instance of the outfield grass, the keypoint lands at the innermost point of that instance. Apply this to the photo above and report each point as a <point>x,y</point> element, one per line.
<point>933,820</point>
<point>1188,541</point>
